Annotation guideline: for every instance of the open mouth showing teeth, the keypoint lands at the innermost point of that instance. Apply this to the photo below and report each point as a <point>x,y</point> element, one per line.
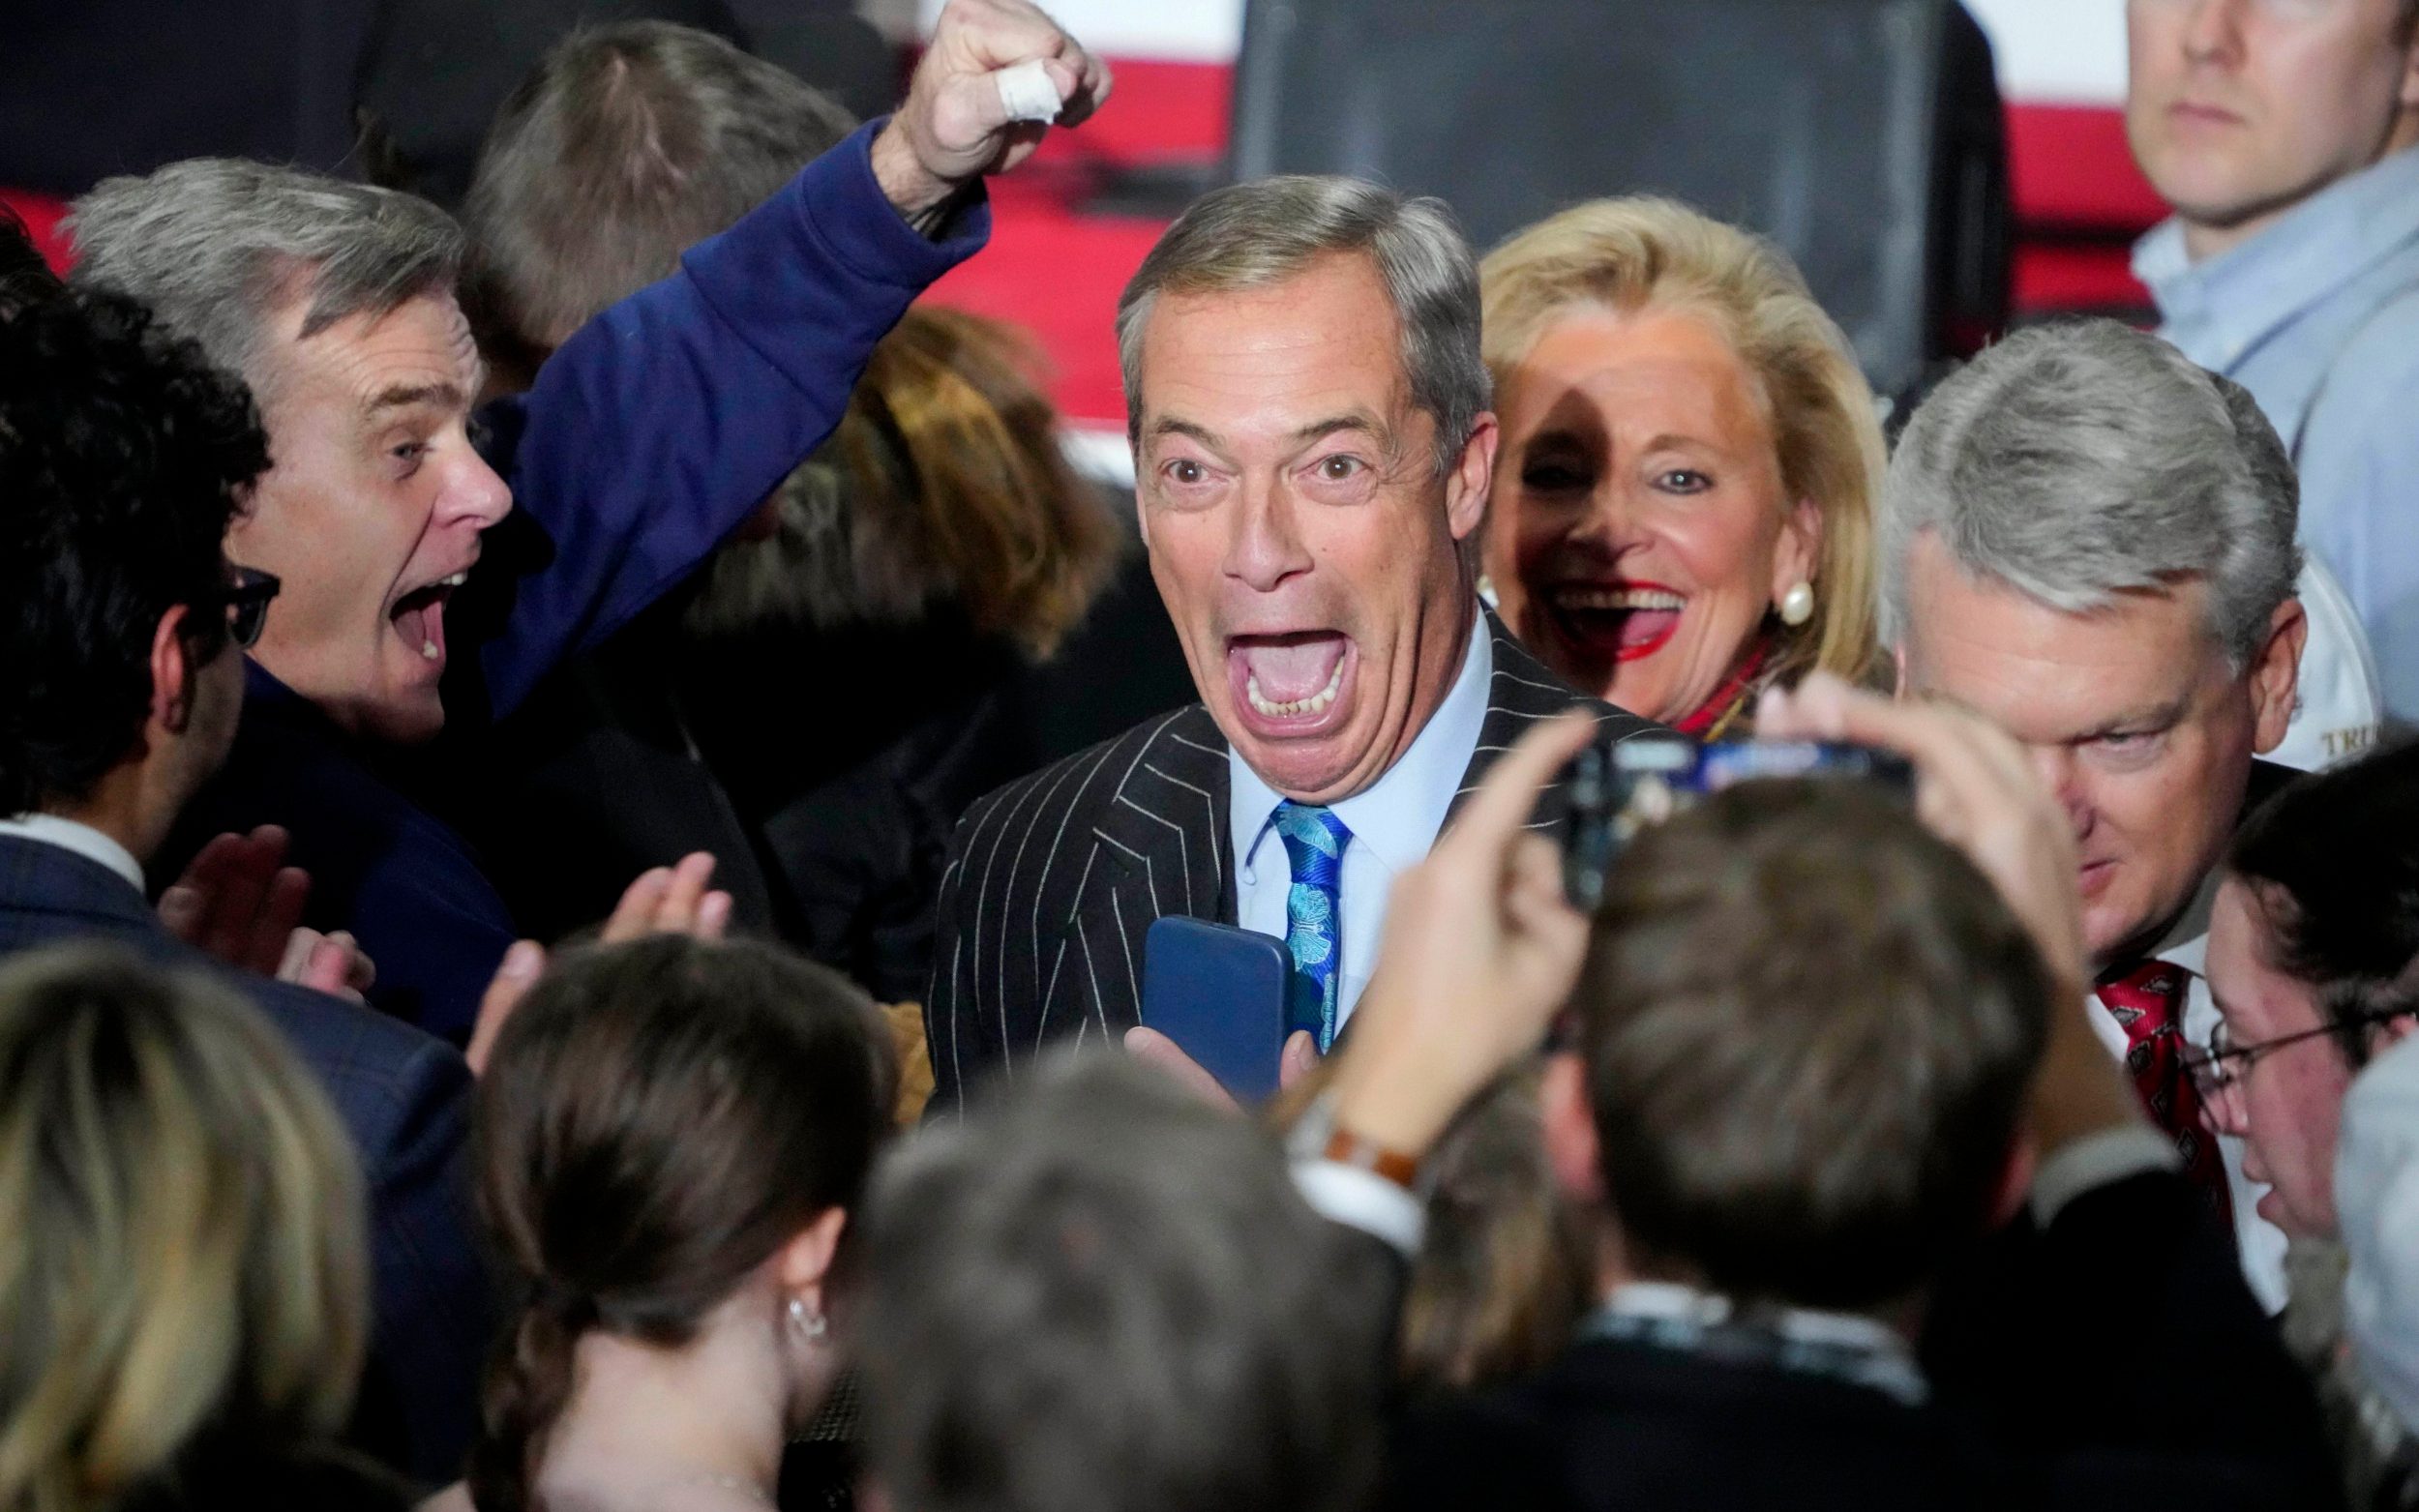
<point>1622,621</point>
<point>419,617</point>
<point>1291,678</point>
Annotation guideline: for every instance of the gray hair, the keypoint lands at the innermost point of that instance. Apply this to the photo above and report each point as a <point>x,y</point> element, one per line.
<point>2077,461</point>
<point>1251,235</point>
<point>1099,1294</point>
<point>217,246</point>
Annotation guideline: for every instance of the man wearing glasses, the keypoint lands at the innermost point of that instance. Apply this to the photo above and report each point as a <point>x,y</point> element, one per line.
<point>2313,962</point>
<point>123,458</point>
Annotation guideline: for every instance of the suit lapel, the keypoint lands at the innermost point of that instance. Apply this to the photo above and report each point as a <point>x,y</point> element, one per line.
<point>1521,692</point>
<point>1161,849</point>
<point>1166,823</point>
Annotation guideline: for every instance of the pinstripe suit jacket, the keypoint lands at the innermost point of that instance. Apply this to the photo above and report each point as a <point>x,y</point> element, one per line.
<point>1052,881</point>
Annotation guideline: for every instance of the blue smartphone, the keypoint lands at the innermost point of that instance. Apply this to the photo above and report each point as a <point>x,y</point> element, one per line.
<point>1219,993</point>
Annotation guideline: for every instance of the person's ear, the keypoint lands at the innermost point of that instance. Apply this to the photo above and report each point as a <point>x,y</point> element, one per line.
<point>1473,474</point>
<point>1569,1125</point>
<point>173,672</point>
<point>1898,669</point>
<point>2274,675</point>
<point>802,1265</point>
<point>2392,1032</point>
<point>1798,555</point>
<point>2409,96</point>
<point>2015,1180</point>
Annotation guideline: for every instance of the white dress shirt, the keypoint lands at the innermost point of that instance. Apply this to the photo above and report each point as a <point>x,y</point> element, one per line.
<point>1393,822</point>
<point>85,841</point>
<point>2260,1242</point>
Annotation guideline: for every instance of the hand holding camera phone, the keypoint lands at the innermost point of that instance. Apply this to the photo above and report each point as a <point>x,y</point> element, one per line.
<point>1618,789</point>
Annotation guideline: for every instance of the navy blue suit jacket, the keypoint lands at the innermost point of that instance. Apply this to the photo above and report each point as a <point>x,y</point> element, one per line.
<point>650,437</point>
<point>400,1092</point>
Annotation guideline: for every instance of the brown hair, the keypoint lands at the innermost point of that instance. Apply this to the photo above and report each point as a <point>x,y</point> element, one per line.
<point>1503,1272</point>
<point>944,483</point>
<point>660,1118</point>
<point>184,1254</point>
<point>625,146</point>
<point>1808,1025</point>
<point>1642,252</point>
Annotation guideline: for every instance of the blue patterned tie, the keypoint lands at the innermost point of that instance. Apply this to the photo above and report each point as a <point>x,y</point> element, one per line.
<point>1314,850</point>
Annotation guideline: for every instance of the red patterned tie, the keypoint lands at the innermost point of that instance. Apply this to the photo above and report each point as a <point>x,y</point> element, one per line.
<point>2148,1005</point>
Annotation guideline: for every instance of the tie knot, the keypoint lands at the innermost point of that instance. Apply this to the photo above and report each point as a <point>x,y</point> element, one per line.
<point>2146,998</point>
<point>1309,829</point>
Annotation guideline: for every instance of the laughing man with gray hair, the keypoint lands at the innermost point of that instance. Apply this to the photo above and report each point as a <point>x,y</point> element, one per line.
<point>2091,540</point>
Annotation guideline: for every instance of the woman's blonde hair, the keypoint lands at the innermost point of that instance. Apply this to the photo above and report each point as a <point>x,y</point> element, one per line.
<point>944,484</point>
<point>1633,253</point>
<point>183,1249</point>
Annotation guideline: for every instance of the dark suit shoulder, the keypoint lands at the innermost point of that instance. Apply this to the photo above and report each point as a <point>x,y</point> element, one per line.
<point>386,1073</point>
<point>1622,1425</point>
<point>1083,784</point>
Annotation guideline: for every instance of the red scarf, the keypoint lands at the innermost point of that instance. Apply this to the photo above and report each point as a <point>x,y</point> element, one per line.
<point>1716,714</point>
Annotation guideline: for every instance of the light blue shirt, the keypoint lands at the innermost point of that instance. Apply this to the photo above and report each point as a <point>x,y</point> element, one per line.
<point>2318,318</point>
<point>1393,822</point>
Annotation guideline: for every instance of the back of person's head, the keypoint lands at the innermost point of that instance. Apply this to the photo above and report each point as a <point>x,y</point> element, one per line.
<point>1505,1268</point>
<point>1637,254</point>
<point>25,276</point>
<point>123,457</point>
<point>626,146</point>
<point>2332,864</point>
<point>1099,1294</point>
<point>182,1278</point>
<point>1807,1026</point>
<point>222,248</point>
<point>2078,462</point>
<point>944,484</point>
<point>659,1120</point>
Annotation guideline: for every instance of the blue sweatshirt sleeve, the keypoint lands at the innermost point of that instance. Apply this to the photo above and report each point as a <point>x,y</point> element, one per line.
<point>664,421</point>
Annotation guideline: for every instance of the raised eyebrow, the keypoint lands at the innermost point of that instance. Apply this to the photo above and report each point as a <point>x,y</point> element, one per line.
<point>408,395</point>
<point>1367,423</point>
<point>1166,426</point>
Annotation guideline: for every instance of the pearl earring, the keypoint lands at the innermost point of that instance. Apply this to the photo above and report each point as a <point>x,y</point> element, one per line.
<point>810,1325</point>
<point>1797,606</point>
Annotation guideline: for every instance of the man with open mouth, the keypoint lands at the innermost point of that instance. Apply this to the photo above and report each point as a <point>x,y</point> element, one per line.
<point>1312,445</point>
<point>654,433</point>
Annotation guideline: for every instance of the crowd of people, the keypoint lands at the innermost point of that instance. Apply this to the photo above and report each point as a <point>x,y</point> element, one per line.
<point>543,965</point>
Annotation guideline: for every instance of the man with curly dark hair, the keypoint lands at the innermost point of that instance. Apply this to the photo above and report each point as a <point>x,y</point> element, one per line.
<point>124,457</point>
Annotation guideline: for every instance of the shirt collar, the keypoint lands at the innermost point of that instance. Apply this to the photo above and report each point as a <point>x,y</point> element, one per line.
<point>1398,817</point>
<point>2217,308</point>
<point>2186,942</point>
<point>1672,1300</point>
<point>49,829</point>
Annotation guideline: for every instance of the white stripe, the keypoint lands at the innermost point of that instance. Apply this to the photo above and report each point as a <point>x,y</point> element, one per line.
<point>1184,851</point>
<point>1056,962</point>
<point>1034,932</point>
<point>1133,983</point>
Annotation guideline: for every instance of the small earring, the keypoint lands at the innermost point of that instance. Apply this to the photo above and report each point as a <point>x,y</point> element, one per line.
<point>810,1325</point>
<point>1797,606</point>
